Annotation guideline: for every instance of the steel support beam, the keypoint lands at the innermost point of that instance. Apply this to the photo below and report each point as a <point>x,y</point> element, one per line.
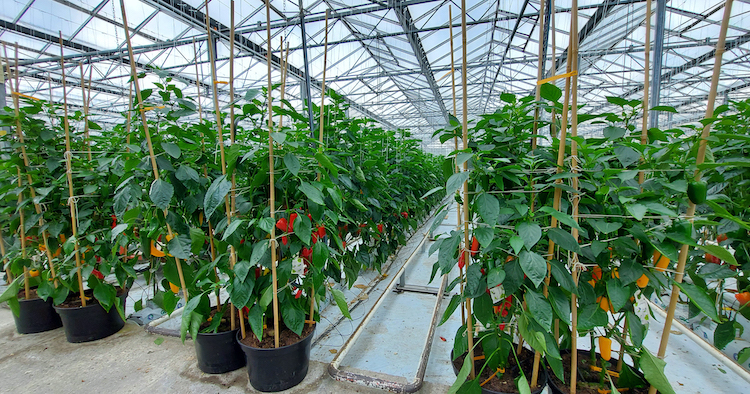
<point>189,15</point>
<point>404,17</point>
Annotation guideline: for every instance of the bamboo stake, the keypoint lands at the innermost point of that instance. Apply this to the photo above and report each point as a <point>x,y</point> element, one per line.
<point>465,128</point>
<point>685,250</point>
<point>85,111</point>
<point>220,131</point>
<point>537,98</point>
<point>144,121</point>
<point>22,230</point>
<point>69,171</point>
<point>197,82</point>
<point>284,71</point>
<point>455,142</point>
<point>19,132</point>
<point>320,141</point>
<point>573,59</point>
<point>553,70</point>
<point>646,61</point>
<point>232,134</point>
<point>128,118</point>
<point>272,196</point>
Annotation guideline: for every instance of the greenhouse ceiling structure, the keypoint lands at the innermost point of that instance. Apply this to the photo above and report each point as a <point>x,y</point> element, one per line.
<point>390,60</point>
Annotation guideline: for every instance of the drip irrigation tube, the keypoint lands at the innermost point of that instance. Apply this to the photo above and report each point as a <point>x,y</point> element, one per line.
<point>371,381</point>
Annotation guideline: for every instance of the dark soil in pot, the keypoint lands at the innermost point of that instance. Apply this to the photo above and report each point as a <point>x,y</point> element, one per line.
<point>588,379</point>
<point>507,383</point>
<point>274,369</point>
<point>90,322</point>
<point>219,352</point>
<point>35,314</point>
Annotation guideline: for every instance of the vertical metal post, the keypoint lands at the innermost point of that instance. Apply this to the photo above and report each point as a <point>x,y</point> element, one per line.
<point>306,89</point>
<point>661,11</point>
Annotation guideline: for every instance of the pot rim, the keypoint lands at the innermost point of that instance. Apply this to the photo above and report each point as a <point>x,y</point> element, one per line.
<point>259,349</point>
<point>69,308</point>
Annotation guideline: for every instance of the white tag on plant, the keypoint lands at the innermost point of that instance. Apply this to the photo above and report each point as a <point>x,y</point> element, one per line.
<point>497,293</point>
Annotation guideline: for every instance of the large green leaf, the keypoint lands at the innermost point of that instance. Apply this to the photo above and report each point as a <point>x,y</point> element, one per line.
<point>216,194</point>
<point>530,233</point>
<point>484,235</point>
<point>171,149</point>
<point>161,193</point>
<point>259,249</point>
<point>653,371</point>
<point>338,296</point>
<point>455,182</point>
<point>106,294</point>
<point>292,163</point>
<point>294,318</point>
<point>179,246</point>
<point>312,192</point>
<point>540,309</point>
<point>700,299</point>
<point>636,329</point>
<point>452,305</point>
<point>563,218</point>
<point>462,375</point>
<point>488,208</point>
<point>255,318</point>
<point>719,252</point>
<point>564,239</point>
<point>604,227</point>
<point>326,162</point>
<point>560,303</point>
<point>618,294</point>
<point>534,266</point>
<point>726,332</point>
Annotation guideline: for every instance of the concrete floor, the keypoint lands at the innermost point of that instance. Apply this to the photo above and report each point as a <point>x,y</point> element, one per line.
<point>131,362</point>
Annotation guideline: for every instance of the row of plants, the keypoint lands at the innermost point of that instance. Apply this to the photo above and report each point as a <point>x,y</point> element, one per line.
<point>201,223</point>
<point>539,272</point>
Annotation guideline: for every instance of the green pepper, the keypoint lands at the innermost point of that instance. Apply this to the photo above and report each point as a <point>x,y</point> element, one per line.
<point>697,192</point>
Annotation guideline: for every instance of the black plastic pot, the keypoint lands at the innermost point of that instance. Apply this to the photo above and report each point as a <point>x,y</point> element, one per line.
<point>91,322</point>
<point>543,380</point>
<point>36,315</point>
<point>219,353</point>
<point>280,368</point>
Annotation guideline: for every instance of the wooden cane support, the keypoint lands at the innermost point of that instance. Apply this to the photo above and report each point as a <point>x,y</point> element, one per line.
<point>25,156</point>
<point>284,72</point>
<point>272,192</point>
<point>232,135</point>
<point>69,170</point>
<point>646,62</point>
<point>198,83</point>
<point>573,60</point>
<point>685,249</point>
<point>455,143</point>
<point>8,274</point>
<point>144,121</point>
<point>465,131</point>
<point>85,110</point>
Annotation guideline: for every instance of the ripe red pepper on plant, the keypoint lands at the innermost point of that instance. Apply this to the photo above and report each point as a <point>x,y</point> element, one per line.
<point>298,293</point>
<point>292,218</point>
<point>474,246</point>
<point>114,221</point>
<point>743,298</point>
<point>380,227</point>
<point>98,274</point>
<point>461,261</point>
<point>281,224</point>
<point>405,214</point>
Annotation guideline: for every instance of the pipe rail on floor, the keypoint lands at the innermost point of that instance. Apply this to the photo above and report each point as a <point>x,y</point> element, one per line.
<point>372,381</point>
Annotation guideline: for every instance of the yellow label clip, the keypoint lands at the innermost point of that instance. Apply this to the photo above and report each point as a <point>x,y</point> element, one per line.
<point>26,96</point>
<point>556,77</point>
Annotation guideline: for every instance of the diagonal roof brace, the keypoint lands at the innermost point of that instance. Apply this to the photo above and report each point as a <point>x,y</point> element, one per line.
<point>191,16</point>
<point>404,17</point>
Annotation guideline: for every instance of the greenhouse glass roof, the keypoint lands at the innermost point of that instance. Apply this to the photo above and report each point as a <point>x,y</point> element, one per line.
<point>389,59</point>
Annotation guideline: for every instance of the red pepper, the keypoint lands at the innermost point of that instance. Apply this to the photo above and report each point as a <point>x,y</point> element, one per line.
<point>114,221</point>
<point>461,261</point>
<point>343,245</point>
<point>284,240</point>
<point>257,272</point>
<point>98,274</point>
<point>474,246</point>
<point>281,224</point>
<point>380,227</point>
<point>314,238</point>
<point>722,238</point>
<point>98,259</point>
<point>298,294</point>
<point>501,326</point>
<point>292,218</point>
<point>321,231</point>
<point>405,214</point>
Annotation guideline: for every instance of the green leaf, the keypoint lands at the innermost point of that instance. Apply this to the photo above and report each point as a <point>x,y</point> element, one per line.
<point>452,305</point>
<point>523,384</point>
<point>431,192</point>
<point>232,228</point>
<point>618,294</point>
<point>636,329</point>
<point>550,92</point>
<point>725,333</point>
<point>292,163</point>
<point>179,246</point>
<point>197,239</point>
<point>591,316</point>
<point>604,227</point>
<point>118,230</point>
<point>294,318</point>
<point>700,299</point>
<point>743,355</point>
<point>534,266</point>
<point>462,375</point>
<point>488,207</point>
<point>531,233</point>
<point>278,137</point>
<point>495,277</point>
<point>455,182</point>
<point>326,162</point>
<point>259,249</point>
<point>613,132</point>
<point>719,252</point>
<point>216,194</point>
<point>653,371</point>
<point>716,271</point>
<point>562,276</point>
<point>534,338</point>
<point>338,296</point>
<point>266,297</point>
<point>540,309</point>
<point>564,239</point>
<point>106,295</point>
<point>462,157</point>
<point>484,235</point>
<point>664,108</point>
<point>185,173</point>
<point>516,243</point>
<point>562,217</point>
<point>161,193</point>
<point>158,341</point>
<point>627,155</point>
<point>171,149</point>
<point>637,210</point>
<point>312,192</point>
<point>560,303</point>
<point>255,318</point>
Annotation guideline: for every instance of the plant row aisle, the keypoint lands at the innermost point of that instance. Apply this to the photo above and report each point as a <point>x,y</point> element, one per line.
<point>253,204</point>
